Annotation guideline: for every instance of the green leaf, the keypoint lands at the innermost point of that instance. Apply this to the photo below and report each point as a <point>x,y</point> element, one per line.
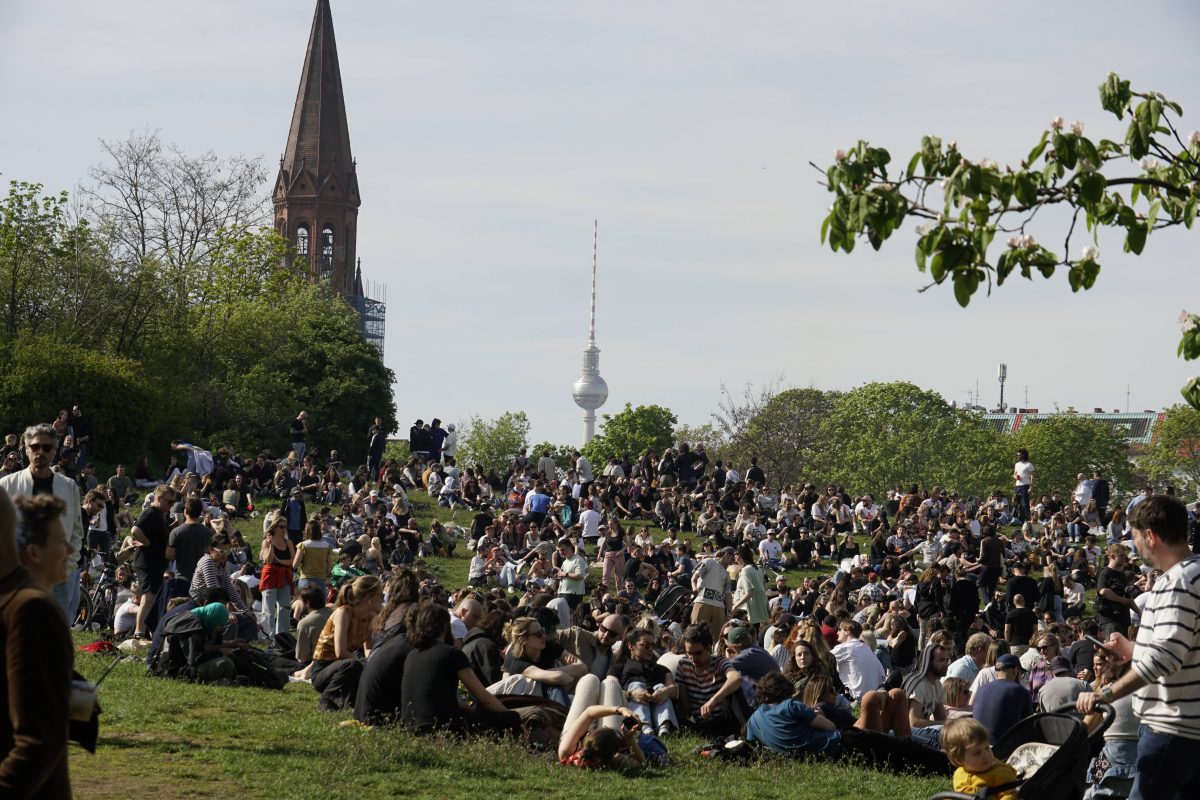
<point>961,293</point>
<point>1025,189</point>
<point>1091,187</point>
<point>1152,214</point>
<point>937,269</point>
<point>1115,95</point>
<point>1038,148</point>
<point>1088,152</point>
<point>912,164</point>
<point>825,227</point>
<point>1135,241</point>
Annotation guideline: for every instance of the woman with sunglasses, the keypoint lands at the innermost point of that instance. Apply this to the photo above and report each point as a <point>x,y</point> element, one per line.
<point>533,657</point>
<point>277,555</point>
<point>1041,672</point>
<point>648,686</point>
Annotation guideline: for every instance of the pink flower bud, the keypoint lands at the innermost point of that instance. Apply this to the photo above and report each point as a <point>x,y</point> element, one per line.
<point>1077,128</point>
<point>1056,123</point>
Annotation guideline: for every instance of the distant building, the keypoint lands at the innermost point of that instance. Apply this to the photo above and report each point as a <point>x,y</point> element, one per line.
<point>316,192</point>
<point>1136,427</point>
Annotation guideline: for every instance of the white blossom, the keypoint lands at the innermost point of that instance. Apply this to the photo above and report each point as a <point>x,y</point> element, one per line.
<point>1028,241</point>
<point>945,184</point>
<point>941,217</point>
<point>1091,253</point>
<point>1077,127</point>
<point>963,202</point>
<point>1149,163</point>
<point>926,228</point>
<point>1188,322</point>
<point>953,144</point>
<point>839,155</point>
<point>1056,123</point>
<point>1194,137</point>
<point>1014,242</point>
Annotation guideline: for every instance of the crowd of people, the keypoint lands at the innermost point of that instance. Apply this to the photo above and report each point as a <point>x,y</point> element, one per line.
<point>911,633</point>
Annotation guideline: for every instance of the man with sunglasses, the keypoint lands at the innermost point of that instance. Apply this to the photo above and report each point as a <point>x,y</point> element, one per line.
<point>41,443</point>
<point>595,650</point>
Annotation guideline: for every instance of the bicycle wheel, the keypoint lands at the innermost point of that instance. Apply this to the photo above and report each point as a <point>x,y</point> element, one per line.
<point>83,614</point>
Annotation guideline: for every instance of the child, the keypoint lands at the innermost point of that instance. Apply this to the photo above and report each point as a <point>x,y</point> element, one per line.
<point>958,694</point>
<point>966,744</point>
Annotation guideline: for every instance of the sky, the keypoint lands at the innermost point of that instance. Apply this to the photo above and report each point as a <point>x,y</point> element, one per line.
<point>489,136</point>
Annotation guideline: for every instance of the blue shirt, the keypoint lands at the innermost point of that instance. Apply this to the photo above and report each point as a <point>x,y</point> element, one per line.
<point>1001,704</point>
<point>539,503</point>
<point>786,728</point>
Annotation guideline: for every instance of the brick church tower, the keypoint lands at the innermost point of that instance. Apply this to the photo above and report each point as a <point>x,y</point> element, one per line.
<point>316,193</point>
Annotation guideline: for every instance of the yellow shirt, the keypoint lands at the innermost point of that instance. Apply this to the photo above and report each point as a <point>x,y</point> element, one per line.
<point>998,774</point>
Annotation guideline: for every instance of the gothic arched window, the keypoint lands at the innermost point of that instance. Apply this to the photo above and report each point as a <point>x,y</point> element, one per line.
<point>302,240</point>
<point>327,251</point>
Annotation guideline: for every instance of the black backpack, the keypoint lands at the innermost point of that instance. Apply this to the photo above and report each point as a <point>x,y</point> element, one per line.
<point>256,668</point>
<point>183,646</point>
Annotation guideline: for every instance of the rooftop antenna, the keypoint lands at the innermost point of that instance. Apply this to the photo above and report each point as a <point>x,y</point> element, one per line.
<point>1027,395</point>
<point>1002,375</point>
<point>592,318</point>
<point>1127,398</point>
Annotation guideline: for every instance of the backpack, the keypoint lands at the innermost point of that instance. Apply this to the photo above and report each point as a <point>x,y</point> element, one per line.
<point>256,668</point>
<point>183,643</point>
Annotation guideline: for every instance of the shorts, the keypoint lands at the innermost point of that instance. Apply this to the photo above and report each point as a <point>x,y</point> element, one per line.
<point>150,581</point>
<point>99,540</point>
<point>712,617</point>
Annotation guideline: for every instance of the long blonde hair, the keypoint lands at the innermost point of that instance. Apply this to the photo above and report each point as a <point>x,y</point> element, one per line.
<point>516,632</point>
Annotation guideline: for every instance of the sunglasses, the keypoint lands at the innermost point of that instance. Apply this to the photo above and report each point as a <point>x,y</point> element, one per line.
<point>40,448</point>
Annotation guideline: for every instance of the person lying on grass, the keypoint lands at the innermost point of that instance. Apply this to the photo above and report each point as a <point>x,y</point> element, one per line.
<point>787,726</point>
<point>588,743</point>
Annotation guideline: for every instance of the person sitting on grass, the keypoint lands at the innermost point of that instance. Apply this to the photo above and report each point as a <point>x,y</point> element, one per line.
<point>532,656</point>
<point>335,669</point>
<point>588,742</point>
<point>967,747</point>
<point>787,726</point>
<point>648,687</point>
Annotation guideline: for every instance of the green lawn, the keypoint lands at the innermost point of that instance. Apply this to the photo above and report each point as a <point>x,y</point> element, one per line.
<point>162,737</point>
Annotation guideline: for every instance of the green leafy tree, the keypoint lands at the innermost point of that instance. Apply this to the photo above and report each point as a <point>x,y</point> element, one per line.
<point>964,204</point>
<point>561,453</point>
<point>1064,445</point>
<point>783,430</point>
<point>492,444</point>
<point>1174,455</point>
<point>884,435</point>
<point>632,431</point>
<point>707,434</point>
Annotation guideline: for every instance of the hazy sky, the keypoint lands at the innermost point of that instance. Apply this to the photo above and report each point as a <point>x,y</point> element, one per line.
<point>490,135</point>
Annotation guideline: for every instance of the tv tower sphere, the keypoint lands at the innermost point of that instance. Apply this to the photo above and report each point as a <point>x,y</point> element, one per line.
<point>590,391</point>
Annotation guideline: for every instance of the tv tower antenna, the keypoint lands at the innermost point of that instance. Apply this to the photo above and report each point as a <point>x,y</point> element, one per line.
<point>590,391</point>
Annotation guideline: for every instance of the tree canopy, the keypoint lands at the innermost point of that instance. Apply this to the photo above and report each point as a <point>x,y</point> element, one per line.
<point>963,204</point>
<point>194,329</point>
<point>493,443</point>
<point>630,432</point>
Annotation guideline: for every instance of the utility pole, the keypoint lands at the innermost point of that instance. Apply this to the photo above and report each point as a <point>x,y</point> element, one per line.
<point>1002,375</point>
<point>1127,398</point>
<point>1027,395</point>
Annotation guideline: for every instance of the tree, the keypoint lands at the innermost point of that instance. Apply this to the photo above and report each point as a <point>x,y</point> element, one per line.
<point>783,430</point>
<point>707,434</point>
<point>965,204</point>
<point>631,432</point>
<point>1174,455</point>
<point>561,453</point>
<point>1064,445</point>
<point>884,435</point>
<point>492,444</point>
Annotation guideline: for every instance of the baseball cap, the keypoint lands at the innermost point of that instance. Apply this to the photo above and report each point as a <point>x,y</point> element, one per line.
<point>740,635</point>
<point>1060,665</point>
<point>1008,661</point>
<point>726,551</point>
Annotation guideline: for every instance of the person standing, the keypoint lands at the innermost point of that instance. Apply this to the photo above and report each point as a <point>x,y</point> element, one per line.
<point>150,533</point>
<point>83,433</point>
<point>37,658</point>
<point>583,469</point>
<point>376,443</point>
<point>299,432</point>
<point>187,543</point>
<point>1165,658</point>
<point>710,584</point>
<point>1023,478</point>
<point>437,438</point>
<point>1101,493</point>
<point>41,443</point>
<point>1112,603</point>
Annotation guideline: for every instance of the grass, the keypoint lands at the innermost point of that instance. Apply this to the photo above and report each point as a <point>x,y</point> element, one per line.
<point>204,741</point>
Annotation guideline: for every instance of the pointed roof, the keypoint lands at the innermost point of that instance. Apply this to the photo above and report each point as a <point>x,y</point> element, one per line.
<point>319,137</point>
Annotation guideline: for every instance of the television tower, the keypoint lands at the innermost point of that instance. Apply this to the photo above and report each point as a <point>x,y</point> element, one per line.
<point>590,391</point>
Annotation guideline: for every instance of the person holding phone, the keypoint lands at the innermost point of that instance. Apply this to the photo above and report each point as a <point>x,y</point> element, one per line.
<point>600,736</point>
<point>1165,659</point>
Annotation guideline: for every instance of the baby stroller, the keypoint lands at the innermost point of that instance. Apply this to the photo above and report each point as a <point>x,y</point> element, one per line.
<point>1050,753</point>
<point>671,604</point>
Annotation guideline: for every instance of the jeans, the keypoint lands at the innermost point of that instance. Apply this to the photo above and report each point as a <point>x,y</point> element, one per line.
<point>299,448</point>
<point>67,595</point>
<point>652,717</point>
<point>930,736</point>
<point>277,603</point>
<point>1168,767</point>
<point>1021,503</point>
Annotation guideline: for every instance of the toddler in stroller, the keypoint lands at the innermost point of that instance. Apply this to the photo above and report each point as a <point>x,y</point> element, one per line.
<point>1048,753</point>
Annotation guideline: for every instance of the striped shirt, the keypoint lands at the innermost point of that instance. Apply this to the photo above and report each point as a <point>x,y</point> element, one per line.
<point>701,685</point>
<point>1167,653</point>
<point>211,576</point>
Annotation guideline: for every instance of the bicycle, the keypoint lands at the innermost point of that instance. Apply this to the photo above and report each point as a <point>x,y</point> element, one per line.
<point>97,601</point>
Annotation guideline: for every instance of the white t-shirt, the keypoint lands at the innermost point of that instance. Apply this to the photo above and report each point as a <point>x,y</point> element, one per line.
<point>589,520</point>
<point>770,549</point>
<point>1023,470</point>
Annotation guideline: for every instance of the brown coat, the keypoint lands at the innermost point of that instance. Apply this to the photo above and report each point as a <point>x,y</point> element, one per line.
<point>34,688</point>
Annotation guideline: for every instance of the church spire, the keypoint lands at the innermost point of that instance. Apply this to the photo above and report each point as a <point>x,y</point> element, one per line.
<point>319,137</point>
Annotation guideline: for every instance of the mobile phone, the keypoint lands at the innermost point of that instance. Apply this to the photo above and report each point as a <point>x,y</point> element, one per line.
<point>1100,644</point>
